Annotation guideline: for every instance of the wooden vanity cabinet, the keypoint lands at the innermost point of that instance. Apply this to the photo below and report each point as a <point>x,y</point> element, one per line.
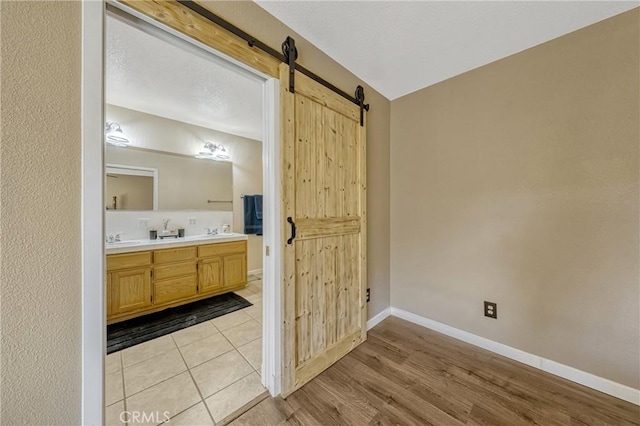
<point>175,275</point>
<point>143,282</point>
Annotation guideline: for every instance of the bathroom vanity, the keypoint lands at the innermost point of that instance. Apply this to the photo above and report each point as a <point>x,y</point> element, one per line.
<point>152,275</point>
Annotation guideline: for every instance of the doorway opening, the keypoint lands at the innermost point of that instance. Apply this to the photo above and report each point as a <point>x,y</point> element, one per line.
<point>188,305</point>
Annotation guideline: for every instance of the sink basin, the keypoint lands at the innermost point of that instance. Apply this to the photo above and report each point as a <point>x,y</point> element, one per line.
<point>208,237</point>
<point>200,237</point>
<point>122,243</point>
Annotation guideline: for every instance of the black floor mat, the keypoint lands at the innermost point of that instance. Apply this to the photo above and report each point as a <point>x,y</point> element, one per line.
<point>132,332</point>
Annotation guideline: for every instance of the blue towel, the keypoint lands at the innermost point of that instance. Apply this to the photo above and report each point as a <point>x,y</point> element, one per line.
<point>252,225</point>
<point>258,205</point>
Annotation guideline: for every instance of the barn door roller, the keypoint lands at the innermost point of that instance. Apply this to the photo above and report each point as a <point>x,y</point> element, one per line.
<point>359,95</point>
<point>288,47</point>
<point>290,54</point>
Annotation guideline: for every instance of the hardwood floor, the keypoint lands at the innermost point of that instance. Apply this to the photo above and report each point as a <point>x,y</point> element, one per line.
<point>407,375</point>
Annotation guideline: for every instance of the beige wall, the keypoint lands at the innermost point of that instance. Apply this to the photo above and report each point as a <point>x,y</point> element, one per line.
<point>162,134</point>
<point>40,215</point>
<point>517,183</point>
<point>256,21</point>
<point>247,179</point>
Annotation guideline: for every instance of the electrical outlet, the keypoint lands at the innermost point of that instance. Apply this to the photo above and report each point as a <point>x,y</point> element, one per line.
<point>368,295</point>
<point>143,222</point>
<point>491,310</point>
<point>192,221</point>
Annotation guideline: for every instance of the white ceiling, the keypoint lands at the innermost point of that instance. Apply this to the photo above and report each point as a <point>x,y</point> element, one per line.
<point>151,75</point>
<point>400,47</point>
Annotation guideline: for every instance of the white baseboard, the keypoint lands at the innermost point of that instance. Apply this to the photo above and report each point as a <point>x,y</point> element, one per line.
<point>578,376</point>
<point>377,319</point>
<point>254,272</point>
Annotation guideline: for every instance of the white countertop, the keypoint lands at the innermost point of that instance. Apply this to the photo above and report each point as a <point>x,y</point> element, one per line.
<point>144,245</point>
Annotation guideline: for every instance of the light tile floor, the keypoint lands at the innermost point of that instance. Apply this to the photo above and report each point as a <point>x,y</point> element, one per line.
<point>199,375</point>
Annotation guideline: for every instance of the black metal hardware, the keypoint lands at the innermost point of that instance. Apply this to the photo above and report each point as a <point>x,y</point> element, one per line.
<point>359,95</point>
<point>293,230</point>
<point>291,54</point>
<point>368,295</point>
<point>253,42</point>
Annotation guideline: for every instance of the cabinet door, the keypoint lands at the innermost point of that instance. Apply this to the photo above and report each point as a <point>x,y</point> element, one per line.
<point>235,270</point>
<point>210,274</point>
<point>130,290</point>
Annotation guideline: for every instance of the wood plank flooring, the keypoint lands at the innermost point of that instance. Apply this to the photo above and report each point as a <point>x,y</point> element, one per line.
<point>405,374</point>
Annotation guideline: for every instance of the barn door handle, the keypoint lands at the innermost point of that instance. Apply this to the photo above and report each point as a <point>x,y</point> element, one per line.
<point>293,230</point>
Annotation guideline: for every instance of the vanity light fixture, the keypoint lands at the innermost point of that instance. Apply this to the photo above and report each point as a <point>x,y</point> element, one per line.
<point>114,134</point>
<point>215,152</point>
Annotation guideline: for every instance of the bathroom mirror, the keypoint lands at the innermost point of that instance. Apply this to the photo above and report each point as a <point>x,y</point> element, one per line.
<point>143,179</point>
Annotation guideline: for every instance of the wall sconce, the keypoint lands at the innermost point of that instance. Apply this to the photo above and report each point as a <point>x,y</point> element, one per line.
<point>115,135</point>
<point>215,152</point>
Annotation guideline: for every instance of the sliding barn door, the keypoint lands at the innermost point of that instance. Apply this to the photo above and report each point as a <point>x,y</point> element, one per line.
<point>324,198</point>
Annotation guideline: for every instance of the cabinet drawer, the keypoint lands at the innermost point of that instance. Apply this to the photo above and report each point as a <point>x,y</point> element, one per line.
<point>169,291</point>
<point>129,260</point>
<point>174,255</point>
<point>222,249</point>
<point>164,272</point>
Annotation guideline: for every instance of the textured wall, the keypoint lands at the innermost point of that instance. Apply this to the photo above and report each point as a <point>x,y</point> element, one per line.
<point>257,22</point>
<point>40,213</point>
<point>517,183</point>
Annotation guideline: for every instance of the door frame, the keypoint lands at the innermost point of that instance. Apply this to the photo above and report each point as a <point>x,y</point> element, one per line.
<point>93,215</point>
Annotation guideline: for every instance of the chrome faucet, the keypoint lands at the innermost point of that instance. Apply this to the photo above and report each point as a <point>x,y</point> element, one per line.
<point>114,238</point>
<point>211,231</point>
<point>165,223</point>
